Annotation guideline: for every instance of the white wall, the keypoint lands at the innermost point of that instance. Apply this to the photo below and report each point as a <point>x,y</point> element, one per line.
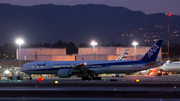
<point>101,53</point>
<point>90,57</point>
<point>63,58</point>
<point>30,53</point>
<point>98,50</point>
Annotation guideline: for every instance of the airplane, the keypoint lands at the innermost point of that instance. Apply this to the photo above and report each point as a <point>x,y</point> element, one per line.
<point>170,67</point>
<point>89,70</point>
<point>166,67</point>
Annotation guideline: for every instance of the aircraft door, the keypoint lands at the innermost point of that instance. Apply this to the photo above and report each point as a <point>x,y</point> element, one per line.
<point>49,65</point>
<point>30,66</point>
<point>107,67</point>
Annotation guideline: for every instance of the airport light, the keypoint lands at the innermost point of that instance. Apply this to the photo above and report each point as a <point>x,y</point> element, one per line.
<point>168,15</point>
<point>19,41</point>
<point>93,43</point>
<point>134,44</point>
<point>6,71</point>
<point>56,82</point>
<point>40,79</point>
<point>137,80</point>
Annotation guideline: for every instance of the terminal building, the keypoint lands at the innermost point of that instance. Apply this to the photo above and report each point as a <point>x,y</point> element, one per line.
<point>84,54</point>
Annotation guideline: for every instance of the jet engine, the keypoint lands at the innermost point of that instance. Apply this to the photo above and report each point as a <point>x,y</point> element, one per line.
<point>64,73</point>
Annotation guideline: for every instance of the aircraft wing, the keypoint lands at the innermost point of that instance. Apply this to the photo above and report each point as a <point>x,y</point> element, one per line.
<point>79,68</point>
<point>82,69</point>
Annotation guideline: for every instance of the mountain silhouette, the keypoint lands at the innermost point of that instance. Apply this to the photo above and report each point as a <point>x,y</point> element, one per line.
<point>82,23</point>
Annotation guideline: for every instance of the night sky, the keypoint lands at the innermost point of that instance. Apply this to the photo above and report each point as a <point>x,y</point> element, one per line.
<point>146,6</point>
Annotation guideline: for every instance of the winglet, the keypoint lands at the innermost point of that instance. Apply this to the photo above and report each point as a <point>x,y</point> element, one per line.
<point>153,52</point>
<point>123,56</point>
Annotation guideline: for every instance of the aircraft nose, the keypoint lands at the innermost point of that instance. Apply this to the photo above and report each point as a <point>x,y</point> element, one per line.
<point>20,68</point>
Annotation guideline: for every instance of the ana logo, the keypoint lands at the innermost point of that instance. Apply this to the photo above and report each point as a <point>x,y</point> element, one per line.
<point>41,64</point>
<point>152,50</point>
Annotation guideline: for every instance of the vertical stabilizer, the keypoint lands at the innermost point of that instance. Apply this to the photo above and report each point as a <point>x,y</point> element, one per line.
<point>123,56</point>
<point>153,52</point>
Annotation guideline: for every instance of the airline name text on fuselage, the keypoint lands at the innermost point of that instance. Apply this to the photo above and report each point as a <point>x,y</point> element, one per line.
<point>41,64</point>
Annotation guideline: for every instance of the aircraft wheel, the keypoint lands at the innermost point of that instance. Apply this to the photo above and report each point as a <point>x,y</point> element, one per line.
<point>91,76</point>
<point>11,78</point>
<point>86,78</point>
<point>96,78</point>
<point>30,78</point>
<point>18,77</point>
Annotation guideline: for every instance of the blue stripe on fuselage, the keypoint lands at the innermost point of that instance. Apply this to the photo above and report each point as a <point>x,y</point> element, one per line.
<point>121,63</point>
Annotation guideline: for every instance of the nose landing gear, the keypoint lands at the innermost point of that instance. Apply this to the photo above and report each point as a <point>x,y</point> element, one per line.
<point>92,77</point>
<point>30,78</point>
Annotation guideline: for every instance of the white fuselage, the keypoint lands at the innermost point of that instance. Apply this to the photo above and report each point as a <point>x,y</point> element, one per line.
<point>171,67</point>
<point>99,67</point>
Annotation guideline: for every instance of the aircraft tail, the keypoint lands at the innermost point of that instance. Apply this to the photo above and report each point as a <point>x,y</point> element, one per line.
<point>123,56</point>
<point>153,52</point>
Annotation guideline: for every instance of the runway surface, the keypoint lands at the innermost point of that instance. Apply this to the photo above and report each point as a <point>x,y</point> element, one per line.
<point>147,87</point>
<point>126,79</point>
<point>40,88</point>
<point>86,99</point>
<point>171,79</point>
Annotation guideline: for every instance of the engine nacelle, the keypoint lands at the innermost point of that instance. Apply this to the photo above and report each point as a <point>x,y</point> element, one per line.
<point>64,73</point>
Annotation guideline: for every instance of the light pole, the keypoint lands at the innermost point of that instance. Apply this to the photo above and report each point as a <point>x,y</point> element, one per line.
<point>93,43</point>
<point>19,42</point>
<point>168,15</point>
<point>134,44</point>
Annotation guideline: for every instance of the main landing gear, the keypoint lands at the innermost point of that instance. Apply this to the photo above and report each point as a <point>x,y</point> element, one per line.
<point>91,77</point>
<point>30,78</point>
